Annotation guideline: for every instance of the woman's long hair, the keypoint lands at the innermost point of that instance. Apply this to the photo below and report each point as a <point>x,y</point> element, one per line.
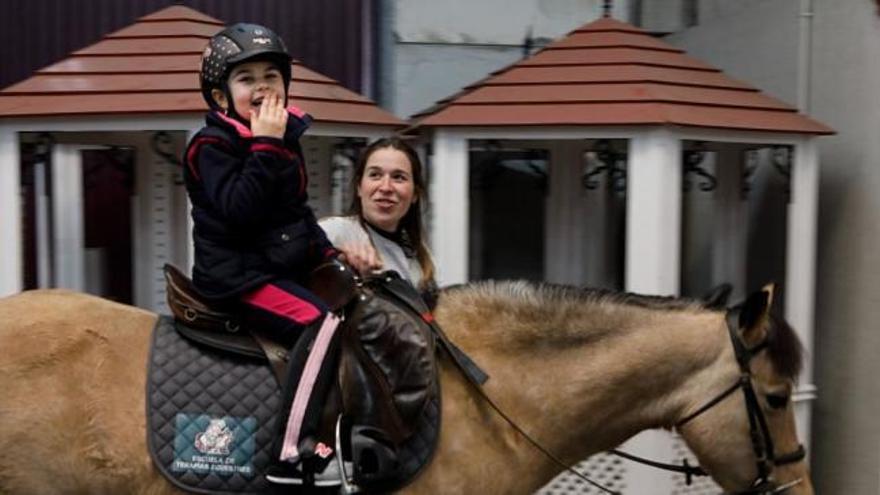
<point>411,223</point>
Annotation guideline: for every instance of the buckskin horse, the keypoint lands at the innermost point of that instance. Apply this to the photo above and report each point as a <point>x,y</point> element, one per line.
<point>580,370</point>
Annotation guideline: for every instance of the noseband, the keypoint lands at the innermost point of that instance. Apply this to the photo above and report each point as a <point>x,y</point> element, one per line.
<point>759,432</point>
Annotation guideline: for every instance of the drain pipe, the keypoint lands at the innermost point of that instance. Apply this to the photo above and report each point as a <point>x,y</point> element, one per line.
<point>384,15</point>
<point>805,395</point>
<point>805,55</point>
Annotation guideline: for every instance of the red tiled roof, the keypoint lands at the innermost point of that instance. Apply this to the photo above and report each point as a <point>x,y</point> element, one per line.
<point>611,73</point>
<point>152,67</point>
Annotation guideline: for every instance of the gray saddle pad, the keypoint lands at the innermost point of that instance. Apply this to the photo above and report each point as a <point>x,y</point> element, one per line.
<point>211,419</point>
<point>211,415</point>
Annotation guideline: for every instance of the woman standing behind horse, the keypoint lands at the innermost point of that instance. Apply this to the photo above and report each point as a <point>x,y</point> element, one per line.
<point>383,229</point>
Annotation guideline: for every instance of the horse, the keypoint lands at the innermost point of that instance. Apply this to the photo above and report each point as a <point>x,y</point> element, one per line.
<point>579,370</point>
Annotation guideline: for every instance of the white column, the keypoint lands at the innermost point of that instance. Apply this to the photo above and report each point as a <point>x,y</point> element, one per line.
<point>11,261</point>
<point>730,224</point>
<point>653,259</point>
<point>41,228</point>
<point>800,270</point>
<point>68,227</point>
<point>653,213</point>
<point>449,205</point>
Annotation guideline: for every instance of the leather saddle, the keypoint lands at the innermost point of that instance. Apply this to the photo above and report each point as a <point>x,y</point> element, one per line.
<point>221,328</point>
<point>388,408</point>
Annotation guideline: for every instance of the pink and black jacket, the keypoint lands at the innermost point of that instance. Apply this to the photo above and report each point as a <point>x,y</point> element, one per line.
<point>251,220</point>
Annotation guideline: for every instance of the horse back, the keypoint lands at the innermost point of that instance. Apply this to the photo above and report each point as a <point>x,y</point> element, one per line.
<point>72,373</point>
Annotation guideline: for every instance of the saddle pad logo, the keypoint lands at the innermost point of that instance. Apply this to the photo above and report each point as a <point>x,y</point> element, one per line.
<point>216,439</point>
<point>209,444</point>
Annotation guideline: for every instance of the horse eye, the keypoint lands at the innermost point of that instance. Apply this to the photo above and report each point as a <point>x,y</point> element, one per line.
<point>777,401</point>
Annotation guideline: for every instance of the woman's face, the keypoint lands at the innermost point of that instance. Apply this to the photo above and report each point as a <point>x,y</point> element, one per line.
<point>387,188</point>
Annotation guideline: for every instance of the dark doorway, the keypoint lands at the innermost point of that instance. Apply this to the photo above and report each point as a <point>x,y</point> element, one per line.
<point>108,184</point>
<point>507,205</point>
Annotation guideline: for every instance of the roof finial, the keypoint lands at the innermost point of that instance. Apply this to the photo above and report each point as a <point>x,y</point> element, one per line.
<point>606,8</point>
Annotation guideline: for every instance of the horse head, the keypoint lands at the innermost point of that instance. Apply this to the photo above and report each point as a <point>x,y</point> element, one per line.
<point>742,429</point>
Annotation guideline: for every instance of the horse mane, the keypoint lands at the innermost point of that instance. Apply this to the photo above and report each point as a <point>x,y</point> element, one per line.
<point>538,308</point>
<point>784,348</point>
<point>544,292</point>
<point>532,311</point>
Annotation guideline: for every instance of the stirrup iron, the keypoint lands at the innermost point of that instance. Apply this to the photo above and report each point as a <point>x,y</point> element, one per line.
<point>348,487</point>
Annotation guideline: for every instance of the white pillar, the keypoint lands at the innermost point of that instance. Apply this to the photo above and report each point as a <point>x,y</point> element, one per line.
<point>449,205</point>
<point>730,224</point>
<point>800,270</point>
<point>653,213</point>
<point>11,261</point>
<point>42,205</point>
<point>68,223</point>
<point>653,259</point>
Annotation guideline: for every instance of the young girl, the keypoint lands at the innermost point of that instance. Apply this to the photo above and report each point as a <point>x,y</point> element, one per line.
<point>255,236</point>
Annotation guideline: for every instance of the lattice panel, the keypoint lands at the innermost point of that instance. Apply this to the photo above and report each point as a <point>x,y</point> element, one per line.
<point>161,236</point>
<point>605,469</point>
<point>316,151</point>
<point>330,163</point>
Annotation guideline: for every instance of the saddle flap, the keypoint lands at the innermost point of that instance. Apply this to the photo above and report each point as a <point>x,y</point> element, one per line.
<point>388,372</point>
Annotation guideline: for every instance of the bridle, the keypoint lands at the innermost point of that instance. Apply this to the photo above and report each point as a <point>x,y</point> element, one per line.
<point>759,432</point>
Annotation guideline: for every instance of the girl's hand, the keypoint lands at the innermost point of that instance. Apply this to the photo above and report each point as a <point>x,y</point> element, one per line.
<point>362,257</point>
<point>271,120</point>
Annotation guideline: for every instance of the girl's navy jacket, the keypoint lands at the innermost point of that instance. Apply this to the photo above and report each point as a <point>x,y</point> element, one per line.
<point>251,220</point>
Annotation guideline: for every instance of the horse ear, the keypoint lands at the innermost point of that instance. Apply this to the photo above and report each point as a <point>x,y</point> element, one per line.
<point>754,315</point>
<point>718,296</point>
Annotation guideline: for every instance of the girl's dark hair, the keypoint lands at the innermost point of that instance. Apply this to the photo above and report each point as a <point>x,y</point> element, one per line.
<point>411,223</point>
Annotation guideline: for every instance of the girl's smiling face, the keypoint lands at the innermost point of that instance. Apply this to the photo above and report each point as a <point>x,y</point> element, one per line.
<point>249,83</point>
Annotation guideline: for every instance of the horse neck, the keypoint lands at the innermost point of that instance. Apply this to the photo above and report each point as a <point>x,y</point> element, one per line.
<point>598,373</point>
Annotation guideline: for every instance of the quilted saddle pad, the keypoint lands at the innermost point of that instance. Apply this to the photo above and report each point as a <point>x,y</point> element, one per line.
<point>210,415</point>
<point>211,419</point>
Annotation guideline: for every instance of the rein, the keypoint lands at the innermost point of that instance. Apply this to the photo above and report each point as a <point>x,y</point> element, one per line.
<point>759,432</point>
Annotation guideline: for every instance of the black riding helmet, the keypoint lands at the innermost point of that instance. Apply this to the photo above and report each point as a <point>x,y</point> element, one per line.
<point>234,45</point>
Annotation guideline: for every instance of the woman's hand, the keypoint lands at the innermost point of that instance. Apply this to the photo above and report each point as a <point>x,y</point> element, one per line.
<point>271,120</point>
<point>362,256</point>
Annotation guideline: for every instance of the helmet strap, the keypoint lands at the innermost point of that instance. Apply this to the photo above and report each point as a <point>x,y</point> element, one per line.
<point>230,106</point>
